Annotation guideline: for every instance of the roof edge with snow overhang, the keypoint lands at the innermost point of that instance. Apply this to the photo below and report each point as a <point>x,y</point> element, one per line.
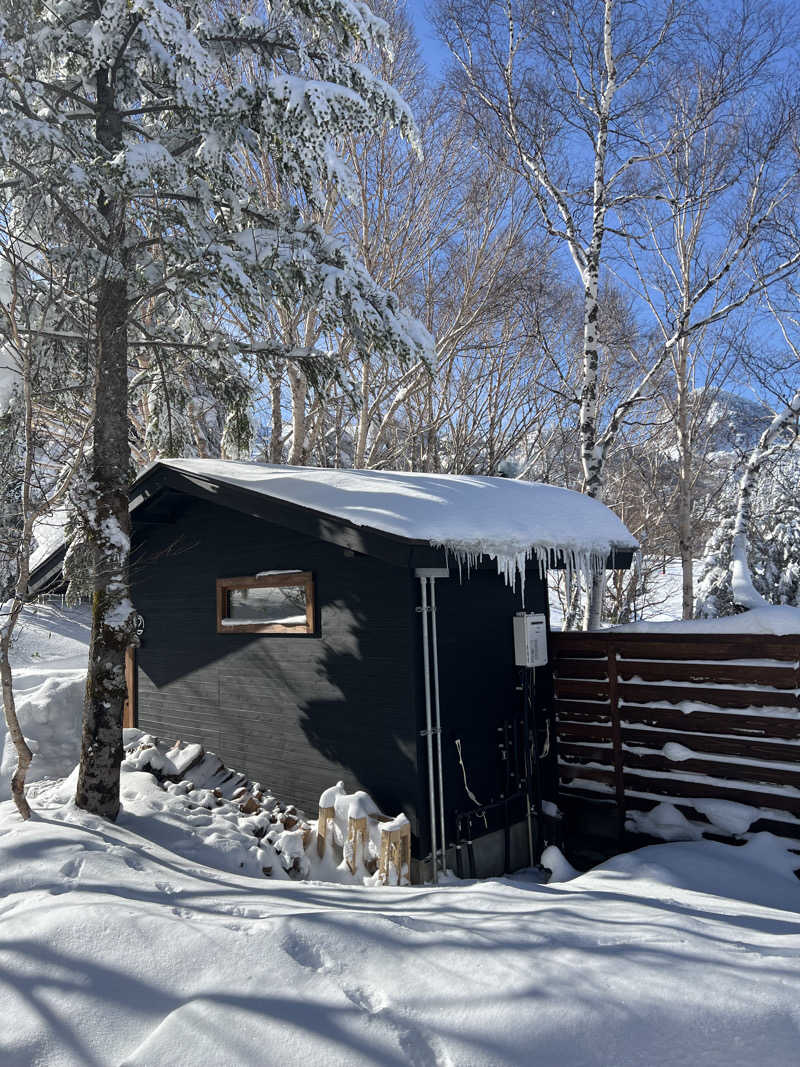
<point>470,517</point>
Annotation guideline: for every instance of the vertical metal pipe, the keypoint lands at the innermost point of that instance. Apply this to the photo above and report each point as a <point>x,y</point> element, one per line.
<point>426,666</point>
<point>526,756</point>
<point>438,723</point>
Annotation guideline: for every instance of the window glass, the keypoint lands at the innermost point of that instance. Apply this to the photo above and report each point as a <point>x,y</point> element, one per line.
<point>275,602</point>
<point>279,605</point>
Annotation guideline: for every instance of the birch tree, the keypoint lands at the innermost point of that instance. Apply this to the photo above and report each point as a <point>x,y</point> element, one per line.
<point>43,441</point>
<point>556,89</point>
<point>721,181</point>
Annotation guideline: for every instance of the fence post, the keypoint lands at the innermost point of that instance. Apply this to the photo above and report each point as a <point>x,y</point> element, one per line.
<point>616,736</point>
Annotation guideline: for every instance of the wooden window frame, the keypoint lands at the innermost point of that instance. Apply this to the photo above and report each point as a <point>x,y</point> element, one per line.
<point>268,581</point>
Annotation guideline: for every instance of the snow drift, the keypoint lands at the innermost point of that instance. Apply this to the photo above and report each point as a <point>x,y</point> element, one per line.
<point>121,950</point>
<point>49,658</point>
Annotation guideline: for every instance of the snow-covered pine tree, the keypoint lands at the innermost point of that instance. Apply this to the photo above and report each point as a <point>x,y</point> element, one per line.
<point>773,539</point>
<point>121,138</point>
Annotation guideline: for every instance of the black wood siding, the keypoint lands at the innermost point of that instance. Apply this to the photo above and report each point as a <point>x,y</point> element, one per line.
<point>295,713</point>
<point>479,689</point>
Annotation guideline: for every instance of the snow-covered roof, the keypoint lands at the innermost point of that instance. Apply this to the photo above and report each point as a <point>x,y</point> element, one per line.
<point>509,521</point>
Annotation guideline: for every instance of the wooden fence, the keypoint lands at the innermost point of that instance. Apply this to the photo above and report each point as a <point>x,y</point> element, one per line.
<point>648,718</point>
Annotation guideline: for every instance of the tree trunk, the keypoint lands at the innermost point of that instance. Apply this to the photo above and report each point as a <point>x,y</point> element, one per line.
<point>299,390</point>
<point>24,754</point>
<point>592,455</point>
<point>363,418</point>
<point>685,538</point>
<point>276,425</point>
<point>108,520</point>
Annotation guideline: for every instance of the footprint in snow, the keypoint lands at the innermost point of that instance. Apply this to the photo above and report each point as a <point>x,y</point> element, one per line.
<point>307,954</point>
<point>70,872</point>
<point>419,1052</point>
<point>241,912</point>
<point>421,926</point>
<point>371,1001</point>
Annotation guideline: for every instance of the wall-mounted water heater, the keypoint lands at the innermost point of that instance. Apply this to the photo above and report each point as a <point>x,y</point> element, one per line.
<point>530,639</point>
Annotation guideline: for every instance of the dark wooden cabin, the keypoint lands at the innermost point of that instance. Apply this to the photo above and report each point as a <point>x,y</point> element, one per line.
<point>288,640</point>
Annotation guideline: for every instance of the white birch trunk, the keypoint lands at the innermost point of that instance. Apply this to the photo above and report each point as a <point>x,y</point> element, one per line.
<point>685,538</point>
<point>298,386</point>
<point>24,754</point>
<point>363,419</point>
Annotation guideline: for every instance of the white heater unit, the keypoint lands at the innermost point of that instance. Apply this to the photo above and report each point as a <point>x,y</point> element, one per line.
<point>530,639</point>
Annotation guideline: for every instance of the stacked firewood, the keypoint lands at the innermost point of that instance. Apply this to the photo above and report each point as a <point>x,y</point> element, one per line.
<point>202,780</point>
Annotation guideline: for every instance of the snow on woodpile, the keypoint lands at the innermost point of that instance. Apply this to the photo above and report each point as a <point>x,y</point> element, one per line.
<point>507,520</point>
<point>211,812</point>
<point>201,809</point>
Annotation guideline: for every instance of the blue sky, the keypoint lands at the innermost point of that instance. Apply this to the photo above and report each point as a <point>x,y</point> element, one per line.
<point>434,53</point>
<point>436,57</point>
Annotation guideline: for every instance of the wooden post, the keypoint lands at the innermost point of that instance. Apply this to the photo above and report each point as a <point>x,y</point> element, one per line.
<point>395,849</point>
<point>130,682</point>
<point>356,831</point>
<point>325,818</point>
<point>616,736</point>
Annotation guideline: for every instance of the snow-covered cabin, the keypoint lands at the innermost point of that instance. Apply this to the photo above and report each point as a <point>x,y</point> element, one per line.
<point>283,630</point>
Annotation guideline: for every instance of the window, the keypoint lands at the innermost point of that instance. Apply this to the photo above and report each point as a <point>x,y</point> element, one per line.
<point>278,602</point>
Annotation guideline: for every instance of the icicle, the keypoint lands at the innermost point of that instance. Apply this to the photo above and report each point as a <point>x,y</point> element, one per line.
<point>511,560</point>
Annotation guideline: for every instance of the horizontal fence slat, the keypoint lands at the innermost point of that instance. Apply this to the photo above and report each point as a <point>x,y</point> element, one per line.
<point>737,725</point>
<point>735,772</point>
<point>699,742</point>
<point>678,646</point>
<point>567,772</point>
<point>583,710</point>
<point>576,643</point>
<point>677,787</point>
<point>641,693</point>
<point>581,689</point>
<point>581,668</point>
<point>702,646</point>
<point>782,824</point>
<point>584,750</point>
<point>584,731</point>
<point>717,673</point>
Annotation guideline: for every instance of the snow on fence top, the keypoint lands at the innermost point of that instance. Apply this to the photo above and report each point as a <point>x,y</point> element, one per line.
<point>509,521</point>
<point>777,619</point>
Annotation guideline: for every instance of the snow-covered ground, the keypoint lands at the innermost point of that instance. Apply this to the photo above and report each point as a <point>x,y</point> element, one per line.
<point>158,941</point>
<point>119,950</point>
<point>49,656</point>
